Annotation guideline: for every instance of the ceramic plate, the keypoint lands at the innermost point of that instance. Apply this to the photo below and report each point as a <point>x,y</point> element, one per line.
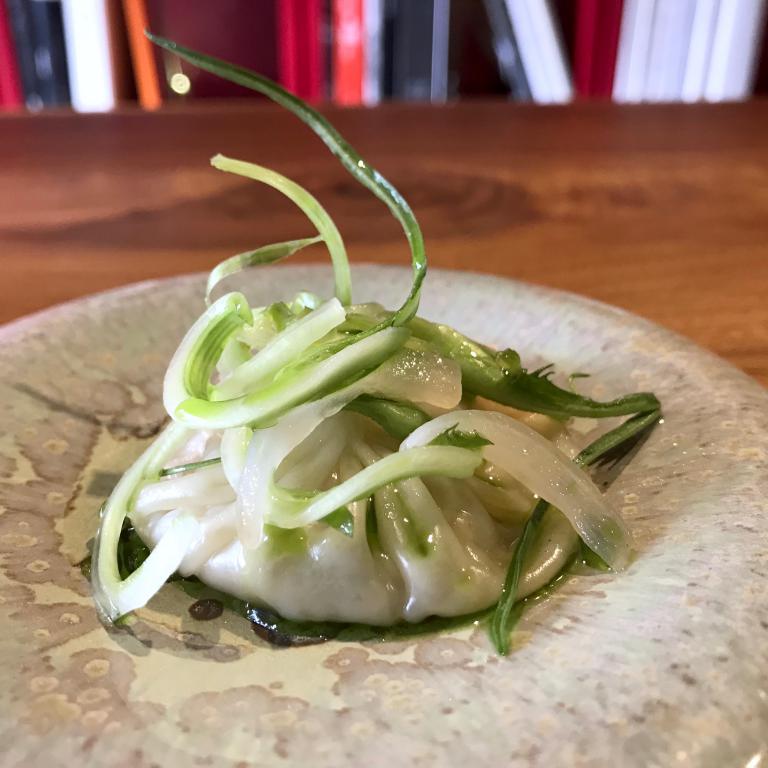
<point>665,664</point>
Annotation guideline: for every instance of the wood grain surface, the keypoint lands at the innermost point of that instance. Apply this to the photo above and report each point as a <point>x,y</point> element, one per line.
<point>661,210</point>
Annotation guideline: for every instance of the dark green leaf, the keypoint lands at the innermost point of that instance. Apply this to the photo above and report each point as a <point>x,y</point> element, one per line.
<point>397,419</point>
<point>280,315</point>
<point>342,520</point>
<point>592,560</point>
<point>530,392</point>
<point>459,439</point>
<point>404,630</point>
<point>85,567</point>
<point>545,371</point>
<point>131,551</point>
<point>506,613</point>
<point>619,438</point>
<point>372,526</point>
<point>285,633</point>
<point>276,630</point>
<point>195,588</point>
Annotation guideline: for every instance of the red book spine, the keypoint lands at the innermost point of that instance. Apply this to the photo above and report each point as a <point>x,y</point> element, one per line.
<point>348,51</point>
<point>11,96</point>
<point>587,12</point>
<point>606,48</point>
<point>145,73</point>
<point>300,62</point>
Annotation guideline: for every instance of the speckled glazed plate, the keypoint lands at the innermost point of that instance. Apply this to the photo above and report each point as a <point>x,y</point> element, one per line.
<point>665,664</point>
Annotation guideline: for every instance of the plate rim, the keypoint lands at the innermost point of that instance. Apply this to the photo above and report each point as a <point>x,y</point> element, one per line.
<point>686,357</point>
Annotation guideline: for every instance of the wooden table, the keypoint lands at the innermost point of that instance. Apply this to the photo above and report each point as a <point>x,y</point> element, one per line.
<point>662,210</point>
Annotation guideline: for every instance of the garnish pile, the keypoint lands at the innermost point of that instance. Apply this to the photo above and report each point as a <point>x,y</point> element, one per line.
<point>340,470</point>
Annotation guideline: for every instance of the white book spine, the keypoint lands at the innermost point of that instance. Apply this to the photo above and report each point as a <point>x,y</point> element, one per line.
<point>89,65</point>
<point>670,39</point>
<point>734,50</point>
<point>530,54</point>
<point>700,49</point>
<point>373,17</point>
<point>441,18</point>
<point>634,44</point>
<point>551,51</point>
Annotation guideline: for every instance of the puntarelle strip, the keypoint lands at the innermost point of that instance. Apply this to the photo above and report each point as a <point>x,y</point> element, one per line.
<point>368,176</point>
<point>267,254</point>
<point>315,212</point>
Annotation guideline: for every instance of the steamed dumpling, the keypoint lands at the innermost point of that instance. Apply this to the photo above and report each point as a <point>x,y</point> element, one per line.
<point>418,547</point>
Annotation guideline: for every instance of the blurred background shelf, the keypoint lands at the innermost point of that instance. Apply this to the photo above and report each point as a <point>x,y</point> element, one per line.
<point>92,55</point>
<point>614,191</point>
<point>660,209</point>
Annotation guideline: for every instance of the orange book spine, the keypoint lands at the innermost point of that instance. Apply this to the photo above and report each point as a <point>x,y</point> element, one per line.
<point>142,56</point>
<point>348,51</point>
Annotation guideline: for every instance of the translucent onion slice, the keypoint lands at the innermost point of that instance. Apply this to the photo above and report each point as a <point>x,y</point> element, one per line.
<point>259,333</point>
<point>235,353</point>
<point>204,487</point>
<point>418,376</point>
<point>311,463</point>
<point>234,447</point>
<point>539,466</point>
<point>217,529</point>
<point>113,596</point>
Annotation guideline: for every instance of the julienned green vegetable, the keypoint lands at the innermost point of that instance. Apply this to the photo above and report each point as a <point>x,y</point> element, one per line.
<point>341,470</point>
